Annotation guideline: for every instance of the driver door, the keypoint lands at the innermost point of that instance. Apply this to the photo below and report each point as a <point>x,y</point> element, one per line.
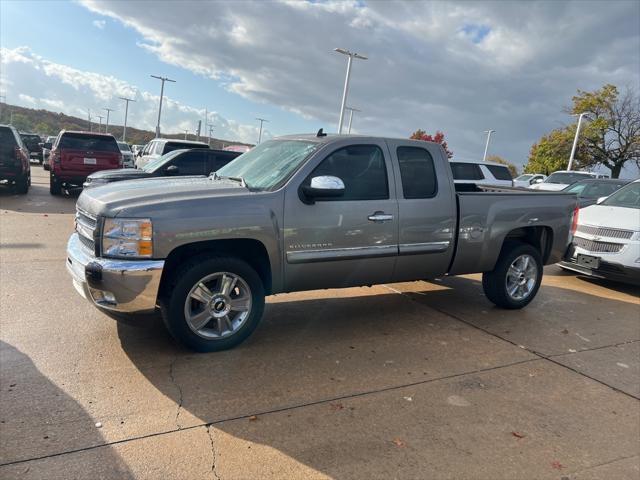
<point>348,240</point>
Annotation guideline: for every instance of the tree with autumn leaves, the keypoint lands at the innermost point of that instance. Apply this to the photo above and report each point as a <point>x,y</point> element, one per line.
<point>437,138</point>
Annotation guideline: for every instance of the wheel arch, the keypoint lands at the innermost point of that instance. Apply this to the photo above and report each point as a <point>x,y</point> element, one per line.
<point>249,250</point>
<point>539,237</point>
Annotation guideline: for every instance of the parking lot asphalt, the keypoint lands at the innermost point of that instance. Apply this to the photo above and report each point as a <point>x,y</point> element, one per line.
<point>413,380</point>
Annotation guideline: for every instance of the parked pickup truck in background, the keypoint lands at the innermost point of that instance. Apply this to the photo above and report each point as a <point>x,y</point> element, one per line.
<point>300,213</point>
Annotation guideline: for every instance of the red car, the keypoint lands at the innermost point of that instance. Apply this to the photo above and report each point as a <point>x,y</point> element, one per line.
<point>76,155</point>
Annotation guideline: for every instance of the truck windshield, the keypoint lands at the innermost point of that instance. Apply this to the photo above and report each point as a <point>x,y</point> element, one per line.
<point>628,197</point>
<point>270,164</point>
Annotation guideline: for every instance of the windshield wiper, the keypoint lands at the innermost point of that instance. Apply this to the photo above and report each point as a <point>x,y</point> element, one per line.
<point>240,180</point>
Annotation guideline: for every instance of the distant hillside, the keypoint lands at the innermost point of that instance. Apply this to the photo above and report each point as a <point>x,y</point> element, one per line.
<point>45,122</point>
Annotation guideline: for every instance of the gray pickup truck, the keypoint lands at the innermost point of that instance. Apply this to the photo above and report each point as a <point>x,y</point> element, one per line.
<point>300,213</point>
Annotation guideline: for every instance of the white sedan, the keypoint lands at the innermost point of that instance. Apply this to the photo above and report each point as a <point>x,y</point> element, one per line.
<point>607,239</point>
<point>561,179</point>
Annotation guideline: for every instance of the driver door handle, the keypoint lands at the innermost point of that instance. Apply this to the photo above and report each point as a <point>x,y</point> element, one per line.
<point>380,217</point>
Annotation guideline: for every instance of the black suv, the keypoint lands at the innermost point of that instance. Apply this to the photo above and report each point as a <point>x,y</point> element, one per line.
<point>33,142</point>
<point>14,159</point>
<point>195,161</point>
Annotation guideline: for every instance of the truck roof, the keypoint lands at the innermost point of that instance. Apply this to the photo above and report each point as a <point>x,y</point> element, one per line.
<point>334,137</point>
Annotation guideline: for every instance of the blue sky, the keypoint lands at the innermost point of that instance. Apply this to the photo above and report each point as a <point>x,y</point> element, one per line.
<point>457,67</point>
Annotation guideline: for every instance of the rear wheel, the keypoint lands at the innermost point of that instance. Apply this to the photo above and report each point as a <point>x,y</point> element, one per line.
<point>23,183</point>
<point>516,278</point>
<point>214,303</point>
<point>55,188</point>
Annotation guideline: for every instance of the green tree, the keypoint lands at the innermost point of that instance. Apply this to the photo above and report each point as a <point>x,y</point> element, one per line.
<point>497,159</point>
<point>21,122</point>
<point>43,128</point>
<point>552,152</point>
<point>612,133</point>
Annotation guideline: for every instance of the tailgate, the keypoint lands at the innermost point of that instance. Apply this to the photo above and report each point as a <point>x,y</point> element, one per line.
<point>88,161</point>
<point>8,159</point>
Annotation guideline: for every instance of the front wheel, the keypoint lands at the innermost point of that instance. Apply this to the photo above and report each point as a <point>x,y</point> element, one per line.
<point>516,278</point>
<point>214,303</point>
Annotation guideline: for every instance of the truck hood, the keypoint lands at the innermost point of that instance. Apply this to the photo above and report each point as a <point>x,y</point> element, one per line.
<point>120,174</point>
<point>550,187</point>
<point>110,199</point>
<point>612,217</point>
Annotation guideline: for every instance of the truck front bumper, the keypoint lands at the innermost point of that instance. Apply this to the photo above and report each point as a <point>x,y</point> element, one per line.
<point>127,286</point>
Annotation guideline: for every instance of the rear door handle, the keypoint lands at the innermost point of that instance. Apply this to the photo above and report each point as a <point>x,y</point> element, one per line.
<point>380,217</point>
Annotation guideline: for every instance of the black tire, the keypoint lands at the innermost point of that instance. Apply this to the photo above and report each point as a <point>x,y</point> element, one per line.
<point>181,283</point>
<point>55,188</point>
<point>45,165</point>
<point>22,184</point>
<point>494,283</point>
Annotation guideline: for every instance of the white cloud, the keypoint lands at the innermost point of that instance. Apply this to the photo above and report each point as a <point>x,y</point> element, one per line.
<point>45,84</point>
<point>99,24</point>
<point>514,73</point>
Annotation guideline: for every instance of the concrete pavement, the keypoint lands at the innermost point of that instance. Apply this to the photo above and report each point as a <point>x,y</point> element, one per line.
<point>416,380</point>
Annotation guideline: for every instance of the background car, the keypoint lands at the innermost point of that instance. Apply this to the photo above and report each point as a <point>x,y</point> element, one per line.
<point>136,148</point>
<point>589,191</point>
<point>33,143</point>
<point>161,146</point>
<point>196,161</point>
<point>607,240</point>
<point>46,149</point>
<point>128,160</point>
<point>527,179</point>
<point>76,155</point>
<point>561,179</point>
<point>477,172</point>
<point>14,159</point>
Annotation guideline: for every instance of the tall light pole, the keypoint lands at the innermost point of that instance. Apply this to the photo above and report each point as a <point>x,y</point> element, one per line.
<point>486,147</point>
<point>575,139</point>
<point>162,79</point>
<point>106,126</point>
<point>261,120</point>
<point>351,110</point>
<point>126,112</point>
<point>210,133</point>
<point>100,117</point>
<point>3,99</point>
<point>89,118</point>
<point>185,133</point>
<point>345,92</point>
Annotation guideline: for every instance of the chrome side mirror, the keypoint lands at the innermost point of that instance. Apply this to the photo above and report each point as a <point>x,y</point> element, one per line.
<point>324,186</point>
<point>601,199</point>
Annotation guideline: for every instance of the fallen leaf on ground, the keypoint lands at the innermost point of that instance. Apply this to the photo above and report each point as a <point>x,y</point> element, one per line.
<point>336,406</point>
<point>557,465</point>
<point>253,418</point>
<point>398,442</point>
<point>565,331</point>
<point>518,435</point>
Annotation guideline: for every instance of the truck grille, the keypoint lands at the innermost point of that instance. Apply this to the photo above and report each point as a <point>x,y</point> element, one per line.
<point>598,247</point>
<point>605,232</point>
<point>85,226</point>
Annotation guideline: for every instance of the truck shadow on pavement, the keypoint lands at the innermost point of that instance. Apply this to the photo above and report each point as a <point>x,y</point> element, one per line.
<point>31,408</point>
<point>323,355</point>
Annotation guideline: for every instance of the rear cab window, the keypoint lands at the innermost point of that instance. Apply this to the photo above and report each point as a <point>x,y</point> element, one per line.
<point>499,172</point>
<point>171,146</point>
<point>7,138</point>
<point>417,172</point>
<point>88,142</point>
<point>466,171</point>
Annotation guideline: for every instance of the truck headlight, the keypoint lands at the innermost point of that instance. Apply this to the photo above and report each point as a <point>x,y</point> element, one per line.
<point>127,237</point>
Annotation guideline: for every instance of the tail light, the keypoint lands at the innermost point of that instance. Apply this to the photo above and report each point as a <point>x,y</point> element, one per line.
<point>574,219</point>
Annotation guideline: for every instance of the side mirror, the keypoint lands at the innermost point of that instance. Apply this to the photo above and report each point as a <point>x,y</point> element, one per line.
<point>601,199</point>
<point>47,145</point>
<point>325,186</point>
<point>172,170</point>
<point>536,180</point>
<point>139,153</point>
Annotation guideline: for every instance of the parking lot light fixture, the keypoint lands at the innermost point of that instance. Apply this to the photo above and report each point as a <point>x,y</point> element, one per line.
<point>100,117</point>
<point>106,126</point>
<point>162,79</point>
<point>261,120</point>
<point>486,147</point>
<point>126,112</point>
<point>575,139</point>
<point>345,92</point>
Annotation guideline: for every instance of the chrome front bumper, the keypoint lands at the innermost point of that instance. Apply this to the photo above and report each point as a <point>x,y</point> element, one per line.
<point>120,285</point>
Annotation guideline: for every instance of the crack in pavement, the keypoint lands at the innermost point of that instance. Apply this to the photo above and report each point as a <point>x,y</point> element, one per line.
<point>213,453</point>
<point>179,388</point>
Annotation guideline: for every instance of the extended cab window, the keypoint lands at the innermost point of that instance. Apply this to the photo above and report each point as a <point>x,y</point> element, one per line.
<point>500,173</point>
<point>93,143</point>
<point>466,171</point>
<point>417,172</point>
<point>361,168</point>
